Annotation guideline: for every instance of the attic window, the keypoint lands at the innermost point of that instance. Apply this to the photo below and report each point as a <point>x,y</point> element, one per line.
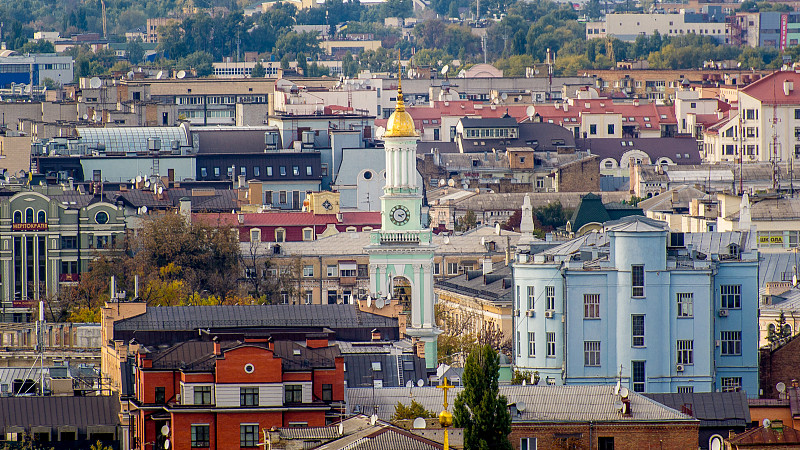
<point>631,119</point>
<point>647,119</point>
<point>630,143</point>
<point>296,352</point>
<point>686,155</point>
<point>550,121</point>
<point>663,116</point>
<point>623,143</point>
<point>376,366</point>
<point>647,125</point>
<point>624,119</point>
<point>678,155</point>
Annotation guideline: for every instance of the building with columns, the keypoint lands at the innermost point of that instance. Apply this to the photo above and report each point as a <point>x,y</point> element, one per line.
<point>401,252</point>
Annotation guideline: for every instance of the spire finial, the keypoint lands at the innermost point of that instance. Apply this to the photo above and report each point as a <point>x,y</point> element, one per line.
<point>400,104</point>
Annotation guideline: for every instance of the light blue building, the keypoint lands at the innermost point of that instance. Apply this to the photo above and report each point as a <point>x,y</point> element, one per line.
<point>662,311</point>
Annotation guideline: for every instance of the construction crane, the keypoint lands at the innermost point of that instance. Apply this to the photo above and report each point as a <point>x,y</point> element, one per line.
<point>103,5</point>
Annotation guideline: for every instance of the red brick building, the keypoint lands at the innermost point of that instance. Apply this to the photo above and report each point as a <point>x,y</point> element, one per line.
<point>222,394</point>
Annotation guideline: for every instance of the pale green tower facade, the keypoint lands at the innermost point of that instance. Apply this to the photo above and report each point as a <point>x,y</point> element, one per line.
<point>401,252</point>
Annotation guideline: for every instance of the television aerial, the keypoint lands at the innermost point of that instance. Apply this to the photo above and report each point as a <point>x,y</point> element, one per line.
<point>181,74</point>
<point>95,82</point>
<point>419,423</point>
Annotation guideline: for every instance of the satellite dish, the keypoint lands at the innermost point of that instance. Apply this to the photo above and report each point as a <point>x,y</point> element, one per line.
<point>623,392</point>
<point>181,74</point>
<point>419,423</point>
<point>165,430</point>
<point>451,182</point>
<point>85,117</point>
<point>445,69</point>
<point>410,73</point>
<point>442,182</point>
<point>420,382</point>
<point>521,406</point>
<point>160,190</point>
<point>372,419</point>
<point>138,178</point>
<point>159,74</point>
<point>144,209</point>
<point>369,301</point>
<point>530,110</point>
<point>147,184</point>
<point>133,180</point>
<point>130,74</point>
<point>95,82</point>
<point>166,444</point>
<point>341,429</point>
<point>781,387</point>
<point>409,384</point>
<point>504,96</point>
<point>766,423</point>
<point>618,405</point>
<point>380,303</point>
<point>616,388</point>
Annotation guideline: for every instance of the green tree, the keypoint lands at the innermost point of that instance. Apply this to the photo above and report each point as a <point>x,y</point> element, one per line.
<point>51,84</point>
<point>293,44</point>
<point>780,330</point>
<point>199,61</point>
<point>350,66</point>
<point>135,51</point>
<point>258,71</point>
<point>468,222</point>
<point>479,409</point>
<point>411,412</point>
<point>40,46</point>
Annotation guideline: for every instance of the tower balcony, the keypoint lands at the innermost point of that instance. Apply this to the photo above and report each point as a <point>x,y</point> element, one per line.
<point>388,237</point>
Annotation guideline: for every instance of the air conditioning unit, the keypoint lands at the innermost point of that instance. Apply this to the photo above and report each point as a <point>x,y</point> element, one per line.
<point>723,313</point>
<point>717,343</point>
<point>679,368</point>
<point>548,314</point>
<point>516,312</point>
<point>529,313</point>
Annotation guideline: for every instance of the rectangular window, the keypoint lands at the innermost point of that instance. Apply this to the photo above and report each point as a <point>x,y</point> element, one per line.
<point>308,171</point>
<point>161,394</point>
<point>591,353</point>
<point>685,389</point>
<point>550,297</point>
<point>283,171</point>
<point>605,443</point>
<point>731,384</point>
<point>551,344</point>
<point>531,343</point>
<point>731,342</point>
<point>685,304</point>
<point>731,296</point>
<point>248,435</point>
<point>637,280</point>
<point>333,271</point>
<point>332,297</point>
<point>269,171</point>
<point>69,242</point>
<point>591,306</point>
<point>531,297</point>
<point>797,114</point>
<point>452,268</point>
<point>296,170</point>
<point>309,297</point>
<point>611,128</point>
<point>248,396</point>
<point>294,393</point>
<point>327,392</point>
<point>637,330</point>
<point>202,395</point>
<point>257,171</point>
<point>308,271</point>
<point>593,129</point>
<point>436,268</point>
<point>527,443</point>
<point>638,376</point>
<point>200,436</point>
<point>686,351</point>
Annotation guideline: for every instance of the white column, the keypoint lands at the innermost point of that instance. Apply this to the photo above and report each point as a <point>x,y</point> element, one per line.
<point>412,168</point>
<point>416,314</point>
<point>388,153</point>
<point>404,166</point>
<point>396,168</point>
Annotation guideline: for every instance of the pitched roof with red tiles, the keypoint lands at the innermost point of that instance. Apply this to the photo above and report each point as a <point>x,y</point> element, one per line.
<point>293,218</point>
<point>777,88</point>
<point>458,108</point>
<point>645,115</point>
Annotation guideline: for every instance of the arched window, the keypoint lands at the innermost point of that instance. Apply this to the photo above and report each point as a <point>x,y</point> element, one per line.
<point>29,215</point>
<point>609,165</point>
<point>42,217</point>
<point>17,216</point>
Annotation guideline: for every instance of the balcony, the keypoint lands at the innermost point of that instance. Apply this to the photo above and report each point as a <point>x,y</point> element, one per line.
<point>347,281</point>
<point>403,237</point>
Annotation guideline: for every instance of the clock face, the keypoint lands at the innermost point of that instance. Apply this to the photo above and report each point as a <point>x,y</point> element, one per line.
<point>400,215</point>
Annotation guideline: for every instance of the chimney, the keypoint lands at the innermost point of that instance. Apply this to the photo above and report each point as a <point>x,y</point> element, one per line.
<point>217,347</point>
<point>186,208</point>
<point>242,182</point>
<point>487,266</point>
<point>376,334</point>
<point>317,341</point>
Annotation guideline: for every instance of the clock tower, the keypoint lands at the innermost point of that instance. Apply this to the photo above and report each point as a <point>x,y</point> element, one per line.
<point>401,252</point>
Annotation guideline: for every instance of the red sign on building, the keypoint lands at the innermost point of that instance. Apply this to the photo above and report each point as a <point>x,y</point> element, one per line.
<point>29,226</point>
<point>784,27</point>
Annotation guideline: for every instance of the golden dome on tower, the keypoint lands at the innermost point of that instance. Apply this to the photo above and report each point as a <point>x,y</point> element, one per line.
<point>400,123</point>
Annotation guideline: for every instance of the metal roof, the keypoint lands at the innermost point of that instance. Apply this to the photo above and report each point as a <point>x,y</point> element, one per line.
<point>773,266</point>
<point>495,286</point>
<point>163,318</point>
<point>132,139</point>
<point>56,411</point>
<point>714,409</point>
<point>543,403</point>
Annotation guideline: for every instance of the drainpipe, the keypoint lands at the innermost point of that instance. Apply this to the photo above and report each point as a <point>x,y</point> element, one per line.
<point>563,270</point>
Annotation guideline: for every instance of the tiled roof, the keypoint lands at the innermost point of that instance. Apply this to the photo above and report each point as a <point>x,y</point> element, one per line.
<point>714,409</point>
<point>360,434</point>
<point>645,115</point>
<point>295,218</point>
<point>770,89</point>
<point>665,201</point>
<point>165,318</point>
<point>543,403</point>
<point>80,412</point>
<point>761,435</point>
